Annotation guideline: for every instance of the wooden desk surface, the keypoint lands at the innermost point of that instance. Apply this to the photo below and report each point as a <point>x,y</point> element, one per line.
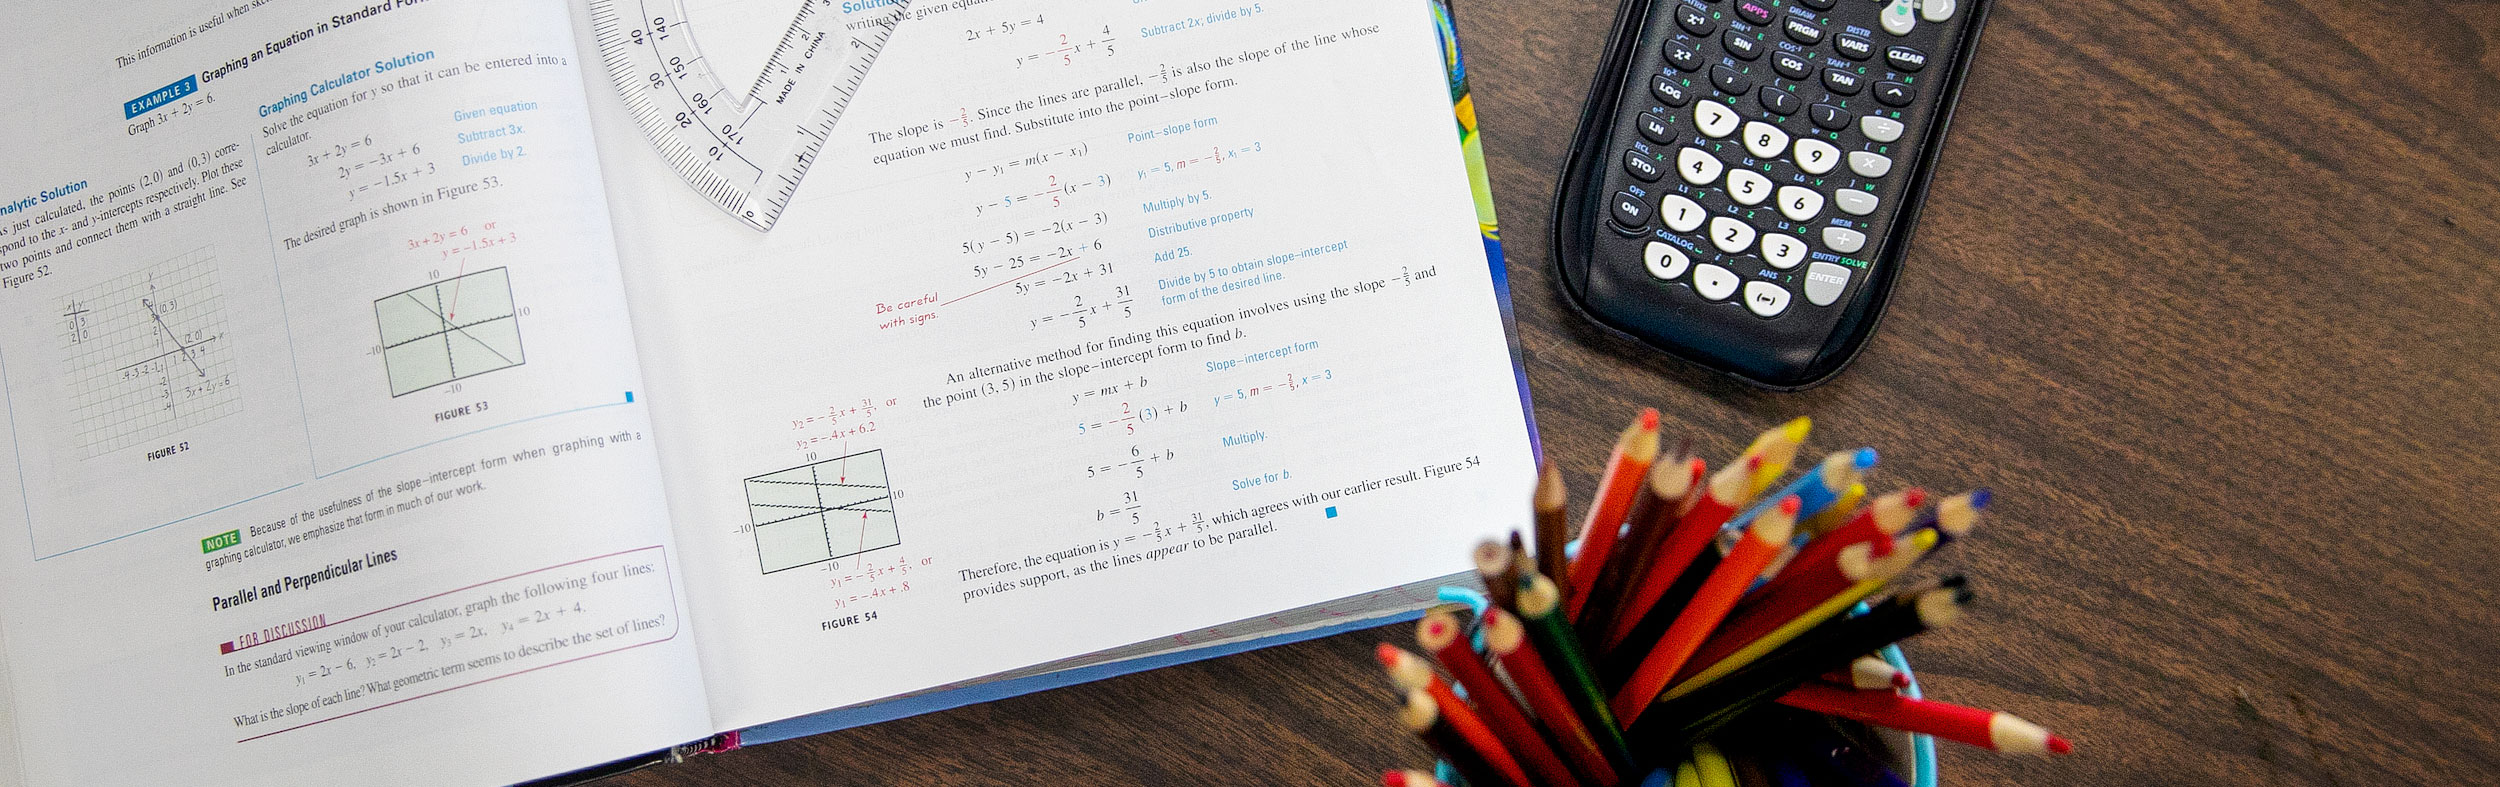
<point>2205,290</point>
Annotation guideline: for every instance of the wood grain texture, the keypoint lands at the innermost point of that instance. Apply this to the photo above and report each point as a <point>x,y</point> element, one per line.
<point>2205,290</point>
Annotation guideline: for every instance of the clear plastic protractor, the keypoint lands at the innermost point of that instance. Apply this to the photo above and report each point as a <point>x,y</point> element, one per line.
<point>745,151</point>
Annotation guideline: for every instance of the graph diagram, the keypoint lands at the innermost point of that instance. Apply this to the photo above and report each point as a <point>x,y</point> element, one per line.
<point>146,355</point>
<point>824,511</point>
<point>450,330</point>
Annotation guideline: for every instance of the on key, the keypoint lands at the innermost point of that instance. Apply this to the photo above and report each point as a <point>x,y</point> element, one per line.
<point>1630,211</point>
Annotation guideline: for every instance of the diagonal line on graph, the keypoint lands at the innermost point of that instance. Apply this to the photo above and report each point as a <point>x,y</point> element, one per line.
<point>458,329</point>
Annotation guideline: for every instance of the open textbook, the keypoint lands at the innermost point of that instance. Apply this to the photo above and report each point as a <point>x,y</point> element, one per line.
<point>470,391</point>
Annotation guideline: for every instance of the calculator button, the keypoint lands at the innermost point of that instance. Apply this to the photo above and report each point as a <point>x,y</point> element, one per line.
<point>1655,128</point>
<point>1765,298</point>
<point>1731,235</point>
<point>1904,58</point>
<point>1869,165</point>
<point>1820,5</point>
<point>1714,119</point>
<point>1664,261</point>
<point>1799,203</point>
<point>1935,10</point>
<point>1713,282</point>
<point>1748,187</point>
<point>1802,31</point>
<point>1824,281</point>
<point>1880,129</point>
<point>1843,82</point>
<point>1740,45</point>
<point>1828,117</point>
<point>1779,101</point>
<point>1680,214</point>
<point>1697,166</point>
<point>1783,250</point>
<point>1729,80</point>
<point>1641,166</point>
<point>1844,241</point>
<point>1816,156</point>
<point>1630,211</point>
<point>1696,21</point>
<point>1792,65</point>
<point>1669,90</point>
<point>1855,202</point>
<point>1853,47</point>
<point>1897,18</point>
<point>1683,57</point>
<point>1754,12</point>
<point>1764,140</point>
<point>1895,94</point>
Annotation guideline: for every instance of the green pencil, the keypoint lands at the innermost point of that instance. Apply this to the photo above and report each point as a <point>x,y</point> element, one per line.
<point>1560,647</point>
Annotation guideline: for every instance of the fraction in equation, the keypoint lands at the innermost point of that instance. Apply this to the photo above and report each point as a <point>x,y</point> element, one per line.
<point>1068,48</point>
<point>1118,306</point>
<point>1289,383</point>
<point>1126,421</point>
<point>1213,156</point>
<point>1054,193</point>
<point>1131,465</point>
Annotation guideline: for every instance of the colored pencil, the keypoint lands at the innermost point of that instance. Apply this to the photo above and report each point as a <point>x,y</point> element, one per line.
<point>1687,774</point>
<point>1995,730</point>
<point>1647,527</point>
<point>1552,504</point>
<point>1625,468</point>
<point>1736,644</point>
<point>1691,536</point>
<point>1817,489</point>
<point>1840,512</point>
<point>1709,606</point>
<point>1410,778</point>
<point>1499,572</point>
<point>1446,641</point>
<point>1776,448</point>
<point>1882,520</point>
<point>1821,650</point>
<point>1472,750</point>
<point>1506,638</point>
<point>1869,673</point>
<point>1712,766</point>
<point>1955,517</point>
<point>1541,614</point>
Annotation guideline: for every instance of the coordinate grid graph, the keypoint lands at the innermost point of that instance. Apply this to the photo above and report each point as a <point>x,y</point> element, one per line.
<point>452,329</point>
<point>145,355</point>
<point>824,511</point>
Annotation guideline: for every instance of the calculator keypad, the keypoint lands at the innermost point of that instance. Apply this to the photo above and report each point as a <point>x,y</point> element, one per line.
<point>1783,122</point>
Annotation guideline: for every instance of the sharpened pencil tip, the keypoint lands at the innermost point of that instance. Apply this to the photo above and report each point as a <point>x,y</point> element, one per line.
<point>1864,458</point>
<point>2059,745</point>
<point>1901,680</point>
<point>1649,419</point>
<point>1979,497</point>
<point>1387,654</point>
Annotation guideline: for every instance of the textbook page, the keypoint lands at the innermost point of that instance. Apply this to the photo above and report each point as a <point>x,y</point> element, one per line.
<point>1094,322</point>
<point>320,452</point>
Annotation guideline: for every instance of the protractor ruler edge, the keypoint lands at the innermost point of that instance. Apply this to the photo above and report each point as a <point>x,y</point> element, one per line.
<point>745,152</point>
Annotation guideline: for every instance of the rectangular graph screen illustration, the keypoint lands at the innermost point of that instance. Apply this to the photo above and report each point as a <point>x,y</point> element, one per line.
<point>449,330</point>
<point>145,355</point>
<point>824,511</point>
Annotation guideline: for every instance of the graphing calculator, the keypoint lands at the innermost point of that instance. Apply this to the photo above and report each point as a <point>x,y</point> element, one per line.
<point>1742,187</point>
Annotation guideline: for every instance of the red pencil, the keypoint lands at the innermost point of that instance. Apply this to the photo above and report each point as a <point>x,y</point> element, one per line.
<point>1988,729</point>
<point>1409,672</point>
<point>1869,672</point>
<point>1710,604</point>
<point>1634,451</point>
<point>1507,640</point>
<point>1446,641</point>
<point>1461,740</point>
<point>1645,528</point>
<point>1693,532</point>
<point>1883,519</point>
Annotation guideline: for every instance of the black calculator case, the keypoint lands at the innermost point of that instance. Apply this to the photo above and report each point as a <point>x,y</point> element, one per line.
<point>1730,341</point>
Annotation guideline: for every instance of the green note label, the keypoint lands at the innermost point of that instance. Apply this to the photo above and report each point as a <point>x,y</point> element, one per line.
<point>220,541</point>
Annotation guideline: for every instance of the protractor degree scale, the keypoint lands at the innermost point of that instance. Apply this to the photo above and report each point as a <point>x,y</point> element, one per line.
<point>745,152</point>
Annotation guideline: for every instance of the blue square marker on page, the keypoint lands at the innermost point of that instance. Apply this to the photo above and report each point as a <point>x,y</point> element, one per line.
<point>1332,512</point>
